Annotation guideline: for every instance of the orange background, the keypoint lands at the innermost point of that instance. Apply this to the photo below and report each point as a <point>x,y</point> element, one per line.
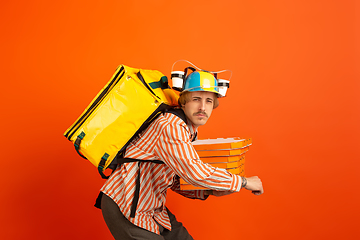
<point>294,91</point>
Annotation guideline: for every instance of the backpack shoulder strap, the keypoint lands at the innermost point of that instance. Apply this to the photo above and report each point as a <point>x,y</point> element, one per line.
<point>128,160</point>
<point>119,160</point>
<point>178,112</point>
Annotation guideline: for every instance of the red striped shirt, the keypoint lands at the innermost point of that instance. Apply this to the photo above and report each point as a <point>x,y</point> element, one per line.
<point>168,139</point>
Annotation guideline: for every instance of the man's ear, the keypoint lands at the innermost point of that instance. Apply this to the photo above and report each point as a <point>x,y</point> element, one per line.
<point>182,105</point>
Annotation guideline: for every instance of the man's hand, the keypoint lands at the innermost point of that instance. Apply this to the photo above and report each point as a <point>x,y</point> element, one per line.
<point>254,184</point>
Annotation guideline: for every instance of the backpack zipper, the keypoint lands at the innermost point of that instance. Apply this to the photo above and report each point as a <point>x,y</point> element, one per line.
<point>103,94</point>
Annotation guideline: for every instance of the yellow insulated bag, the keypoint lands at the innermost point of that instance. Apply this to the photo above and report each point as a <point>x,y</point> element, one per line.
<point>122,109</point>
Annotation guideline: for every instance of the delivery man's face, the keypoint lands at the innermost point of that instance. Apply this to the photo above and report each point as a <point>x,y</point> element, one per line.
<point>199,107</point>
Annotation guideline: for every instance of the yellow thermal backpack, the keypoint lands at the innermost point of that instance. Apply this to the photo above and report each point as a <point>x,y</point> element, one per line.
<point>120,111</point>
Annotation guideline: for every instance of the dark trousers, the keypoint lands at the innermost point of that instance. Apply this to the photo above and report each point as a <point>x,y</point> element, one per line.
<point>122,229</point>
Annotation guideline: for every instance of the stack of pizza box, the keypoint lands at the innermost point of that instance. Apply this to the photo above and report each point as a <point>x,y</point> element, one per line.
<point>227,153</point>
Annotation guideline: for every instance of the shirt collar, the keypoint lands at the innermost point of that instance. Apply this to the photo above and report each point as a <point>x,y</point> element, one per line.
<point>192,128</point>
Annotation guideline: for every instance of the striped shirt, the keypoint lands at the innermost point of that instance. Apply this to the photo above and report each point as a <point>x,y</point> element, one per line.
<point>168,139</point>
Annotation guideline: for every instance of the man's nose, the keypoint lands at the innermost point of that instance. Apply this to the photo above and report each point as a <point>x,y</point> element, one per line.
<point>202,105</point>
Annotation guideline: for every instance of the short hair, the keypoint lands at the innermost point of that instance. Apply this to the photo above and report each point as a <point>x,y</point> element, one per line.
<point>185,97</point>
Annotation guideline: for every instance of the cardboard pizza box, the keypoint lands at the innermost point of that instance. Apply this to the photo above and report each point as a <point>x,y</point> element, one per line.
<point>223,159</point>
<point>227,153</point>
<point>186,186</point>
<point>221,143</point>
<point>222,152</point>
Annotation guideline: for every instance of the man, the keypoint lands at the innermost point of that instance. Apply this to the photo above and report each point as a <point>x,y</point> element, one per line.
<point>167,139</point>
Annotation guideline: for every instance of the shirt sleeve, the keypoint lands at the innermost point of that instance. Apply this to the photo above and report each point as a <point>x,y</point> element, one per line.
<point>193,194</point>
<point>175,149</point>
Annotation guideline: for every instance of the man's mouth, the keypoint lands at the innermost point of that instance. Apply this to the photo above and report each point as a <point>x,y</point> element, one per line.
<point>200,114</point>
